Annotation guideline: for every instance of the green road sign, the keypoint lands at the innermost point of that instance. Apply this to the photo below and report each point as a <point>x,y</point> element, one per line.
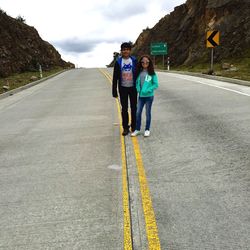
<point>158,49</point>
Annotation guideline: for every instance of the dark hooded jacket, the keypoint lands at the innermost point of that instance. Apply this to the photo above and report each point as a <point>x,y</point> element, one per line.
<point>117,75</point>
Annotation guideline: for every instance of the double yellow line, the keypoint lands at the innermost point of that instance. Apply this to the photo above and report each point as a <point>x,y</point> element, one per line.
<point>150,221</point>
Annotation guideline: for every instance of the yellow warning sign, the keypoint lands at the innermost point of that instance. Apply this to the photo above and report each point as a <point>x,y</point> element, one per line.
<point>213,38</point>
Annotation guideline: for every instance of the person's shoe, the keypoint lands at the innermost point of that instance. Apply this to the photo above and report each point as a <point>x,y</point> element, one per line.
<point>147,133</point>
<point>135,133</point>
<point>125,132</point>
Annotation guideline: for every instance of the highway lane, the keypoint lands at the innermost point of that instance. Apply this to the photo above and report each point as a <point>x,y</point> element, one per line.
<point>197,163</point>
<point>60,166</point>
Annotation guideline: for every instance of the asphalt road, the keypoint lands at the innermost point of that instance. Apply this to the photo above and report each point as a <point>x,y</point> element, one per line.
<point>60,174</point>
<point>61,170</point>
<point>198,163</point>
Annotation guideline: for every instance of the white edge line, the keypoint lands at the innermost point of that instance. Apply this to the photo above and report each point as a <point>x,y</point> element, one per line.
<point>211,85</point>
<point>235,91</point>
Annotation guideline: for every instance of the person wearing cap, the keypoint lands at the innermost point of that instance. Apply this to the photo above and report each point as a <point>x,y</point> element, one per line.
<point>124,77</point>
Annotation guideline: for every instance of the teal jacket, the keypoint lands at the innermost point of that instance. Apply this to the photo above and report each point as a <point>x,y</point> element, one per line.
<point>148,87</point>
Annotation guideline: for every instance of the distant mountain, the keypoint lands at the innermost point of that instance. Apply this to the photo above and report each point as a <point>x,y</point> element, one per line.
<point>184,30</point>
<point>22,49</point>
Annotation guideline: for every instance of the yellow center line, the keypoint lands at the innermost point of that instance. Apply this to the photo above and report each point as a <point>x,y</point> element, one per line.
<point>127,236</point>
<point>149,215</point>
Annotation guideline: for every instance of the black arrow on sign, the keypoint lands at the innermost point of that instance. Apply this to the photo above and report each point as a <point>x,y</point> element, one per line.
<point>210,38</point>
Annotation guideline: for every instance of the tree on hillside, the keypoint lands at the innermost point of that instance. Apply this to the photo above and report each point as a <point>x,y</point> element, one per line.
<point>20,19</point>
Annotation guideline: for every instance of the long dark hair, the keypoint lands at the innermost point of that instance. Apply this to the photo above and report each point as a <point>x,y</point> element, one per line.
<point>151,70</point>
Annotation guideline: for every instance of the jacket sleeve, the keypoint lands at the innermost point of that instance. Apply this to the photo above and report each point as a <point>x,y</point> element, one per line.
<point>115,80</point>
<point>138,85</point>
<point>155,83</point>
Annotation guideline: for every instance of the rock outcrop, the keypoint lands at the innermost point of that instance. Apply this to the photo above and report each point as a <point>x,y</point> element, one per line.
<point>22,49</point>
<point>184,30</point>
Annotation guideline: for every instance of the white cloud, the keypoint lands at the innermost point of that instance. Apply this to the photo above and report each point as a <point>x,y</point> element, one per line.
<point>88,32</point>
<point>120,9</point>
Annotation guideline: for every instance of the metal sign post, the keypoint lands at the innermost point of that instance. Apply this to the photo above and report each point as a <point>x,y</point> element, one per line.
<point>213,40</point>
<point>212,60</point>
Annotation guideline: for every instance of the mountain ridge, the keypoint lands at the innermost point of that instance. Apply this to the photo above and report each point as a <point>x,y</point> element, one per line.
<point>22,49</point>
<point>184,30</point>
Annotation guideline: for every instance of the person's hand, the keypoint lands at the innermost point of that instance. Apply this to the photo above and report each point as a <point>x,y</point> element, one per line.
<point>115,95</point>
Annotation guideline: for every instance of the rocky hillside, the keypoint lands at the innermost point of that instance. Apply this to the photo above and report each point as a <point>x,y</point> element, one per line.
<point>22,49</point>
<point>184,30</point>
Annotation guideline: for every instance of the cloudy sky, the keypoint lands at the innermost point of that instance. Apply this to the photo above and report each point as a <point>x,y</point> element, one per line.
<point>88,32</point>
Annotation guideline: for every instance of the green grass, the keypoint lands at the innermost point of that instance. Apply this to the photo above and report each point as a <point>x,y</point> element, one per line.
<point>242,66</point>
<point>18,80</point>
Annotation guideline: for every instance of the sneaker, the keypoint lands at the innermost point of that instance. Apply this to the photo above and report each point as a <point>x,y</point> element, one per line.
<point>135,133</point>
<point>125,132</point>
<point>147,133</point>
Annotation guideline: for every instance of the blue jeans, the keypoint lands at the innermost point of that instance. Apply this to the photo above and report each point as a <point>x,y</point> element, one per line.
<point>141,102</point>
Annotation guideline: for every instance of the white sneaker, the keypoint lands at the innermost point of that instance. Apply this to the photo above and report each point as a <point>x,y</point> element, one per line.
<point>135,133</point>
<point>147,133</point>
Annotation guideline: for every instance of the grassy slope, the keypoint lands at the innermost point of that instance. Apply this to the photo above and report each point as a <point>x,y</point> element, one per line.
<point>242,66</point>
<point>18,80</point>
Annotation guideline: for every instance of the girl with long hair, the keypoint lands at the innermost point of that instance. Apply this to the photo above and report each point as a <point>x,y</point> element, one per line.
<point>146,83</point>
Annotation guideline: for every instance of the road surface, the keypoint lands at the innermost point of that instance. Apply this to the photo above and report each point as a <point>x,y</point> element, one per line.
<point>62,178</point>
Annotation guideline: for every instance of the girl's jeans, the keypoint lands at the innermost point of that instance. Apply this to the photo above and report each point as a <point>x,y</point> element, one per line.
<point>141,102</point>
